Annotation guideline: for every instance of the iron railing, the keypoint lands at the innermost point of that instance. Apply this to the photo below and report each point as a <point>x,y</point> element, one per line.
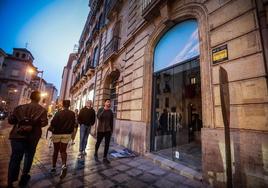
<point>111,48</point>
<point>111,6</point>
<point>149,7</point>
<point>89,66</point>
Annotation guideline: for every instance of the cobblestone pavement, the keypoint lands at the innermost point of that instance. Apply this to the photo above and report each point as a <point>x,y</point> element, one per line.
<point>128,172</point>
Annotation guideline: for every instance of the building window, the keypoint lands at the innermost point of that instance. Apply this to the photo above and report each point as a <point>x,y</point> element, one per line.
<point>15,73</point>
<point>17,54</point>
<point>96,57</point>
<point>167,102</point>
<point>23,56</point>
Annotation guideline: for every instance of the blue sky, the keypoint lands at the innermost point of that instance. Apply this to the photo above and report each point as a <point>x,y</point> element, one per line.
<point>50,27</point>
<point>180,43</point>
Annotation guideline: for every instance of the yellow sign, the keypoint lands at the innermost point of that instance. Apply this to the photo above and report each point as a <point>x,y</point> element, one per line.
<point>220,54</point>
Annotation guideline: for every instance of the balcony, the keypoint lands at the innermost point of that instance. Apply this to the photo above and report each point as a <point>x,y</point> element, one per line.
<point>76,66</point>
<point>89,68</point>
<point>95,30</point>
<point>94,7</point>
<point>150,8</point>
<point>89,41</point>
<point>111,7</point>
<point>111,48</point>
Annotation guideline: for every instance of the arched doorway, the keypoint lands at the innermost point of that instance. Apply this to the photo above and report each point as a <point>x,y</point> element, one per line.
<point>111,90</point>
<point>177,107</point>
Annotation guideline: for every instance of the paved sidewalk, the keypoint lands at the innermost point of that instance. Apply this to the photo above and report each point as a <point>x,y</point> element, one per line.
<point>129,172</point>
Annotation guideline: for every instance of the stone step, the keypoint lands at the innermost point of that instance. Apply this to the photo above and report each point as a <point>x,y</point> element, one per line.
<point>174,166</point>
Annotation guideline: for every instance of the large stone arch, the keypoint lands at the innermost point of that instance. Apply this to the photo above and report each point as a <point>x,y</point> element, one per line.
<point>177,15</point>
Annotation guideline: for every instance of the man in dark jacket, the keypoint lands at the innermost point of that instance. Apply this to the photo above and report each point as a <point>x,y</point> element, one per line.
<point>28,120</point>
<point>62,126</point>
<point>86,118</point>
<point>104,130</point>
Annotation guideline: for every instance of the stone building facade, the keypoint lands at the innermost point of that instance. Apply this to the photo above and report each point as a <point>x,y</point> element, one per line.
<point>14,78</point>
<point>67,77</point>
<point>117,56</point>
<point>18,78</point>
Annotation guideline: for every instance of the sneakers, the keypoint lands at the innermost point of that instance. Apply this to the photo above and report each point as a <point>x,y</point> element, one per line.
<point>84,153</point>
<point>24,179</point>
<point>96,158</point>
<point>80,155</point>
<point>106,161</point>
<point>53,170</point>
<point>63,172</point>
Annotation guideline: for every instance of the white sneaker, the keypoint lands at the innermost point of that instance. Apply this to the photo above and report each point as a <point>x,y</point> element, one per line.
<point>63,172</point>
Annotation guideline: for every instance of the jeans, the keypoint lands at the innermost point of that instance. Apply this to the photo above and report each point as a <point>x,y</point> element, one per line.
<point>84,132</point>
<point>100,136</point>
<point>19,149</point>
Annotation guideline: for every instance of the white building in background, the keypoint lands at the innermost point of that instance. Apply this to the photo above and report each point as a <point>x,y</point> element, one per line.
<point>67,78</point>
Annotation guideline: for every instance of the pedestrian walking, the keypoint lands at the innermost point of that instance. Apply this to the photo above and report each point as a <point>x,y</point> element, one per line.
<point>28,120</point>
<point>86,118</point>
<point>62,126</point>
<point>75,129</point>
<point>104,129</point>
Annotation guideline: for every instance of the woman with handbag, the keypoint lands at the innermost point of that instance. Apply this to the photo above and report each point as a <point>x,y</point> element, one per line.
<point>62,126</point>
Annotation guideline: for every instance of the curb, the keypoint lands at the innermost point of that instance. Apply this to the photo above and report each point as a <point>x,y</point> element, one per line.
<point>176,167</point>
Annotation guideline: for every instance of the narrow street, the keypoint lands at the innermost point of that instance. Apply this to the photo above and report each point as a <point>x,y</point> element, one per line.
<point>128,172</point>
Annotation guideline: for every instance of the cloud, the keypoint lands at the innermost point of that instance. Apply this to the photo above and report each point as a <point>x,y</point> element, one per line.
<point>189,50</point>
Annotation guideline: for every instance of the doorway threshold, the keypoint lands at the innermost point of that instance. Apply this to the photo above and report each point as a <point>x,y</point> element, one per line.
<point>175,167</point>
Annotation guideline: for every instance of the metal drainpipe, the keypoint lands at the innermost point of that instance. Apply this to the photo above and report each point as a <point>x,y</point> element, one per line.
<point>263,27</point>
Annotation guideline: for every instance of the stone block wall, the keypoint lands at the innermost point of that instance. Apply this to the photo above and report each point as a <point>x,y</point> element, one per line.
<point>249,153</point>
<point>221,22</point>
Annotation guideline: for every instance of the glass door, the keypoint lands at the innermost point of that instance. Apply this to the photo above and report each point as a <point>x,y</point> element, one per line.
<point>177,113</point>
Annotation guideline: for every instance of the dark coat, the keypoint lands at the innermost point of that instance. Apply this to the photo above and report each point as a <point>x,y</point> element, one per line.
<point>87,116</point>
<point>63,122</point>
<point>33,111</point>
<point>106,120</point>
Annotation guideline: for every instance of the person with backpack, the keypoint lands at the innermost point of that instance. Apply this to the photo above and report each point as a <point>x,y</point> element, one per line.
<point>28,120</point>
<point>104,129</point>
<point>86,118</point>
<point>62,126</point>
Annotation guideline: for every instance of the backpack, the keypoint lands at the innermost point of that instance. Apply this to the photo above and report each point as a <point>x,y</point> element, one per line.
<point>24,126</point>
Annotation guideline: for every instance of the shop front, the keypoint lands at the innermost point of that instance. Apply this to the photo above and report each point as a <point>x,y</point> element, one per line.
<point>177,108</point>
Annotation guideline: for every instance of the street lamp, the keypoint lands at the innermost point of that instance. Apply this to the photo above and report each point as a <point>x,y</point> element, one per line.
<point>31,71</point>
<point>43,94</point>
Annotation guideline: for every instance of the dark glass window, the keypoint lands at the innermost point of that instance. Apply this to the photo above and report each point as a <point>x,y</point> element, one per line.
<point>96,57</point>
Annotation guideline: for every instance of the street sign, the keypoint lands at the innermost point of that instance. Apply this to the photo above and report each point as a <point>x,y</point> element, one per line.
<point>220,54</point>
